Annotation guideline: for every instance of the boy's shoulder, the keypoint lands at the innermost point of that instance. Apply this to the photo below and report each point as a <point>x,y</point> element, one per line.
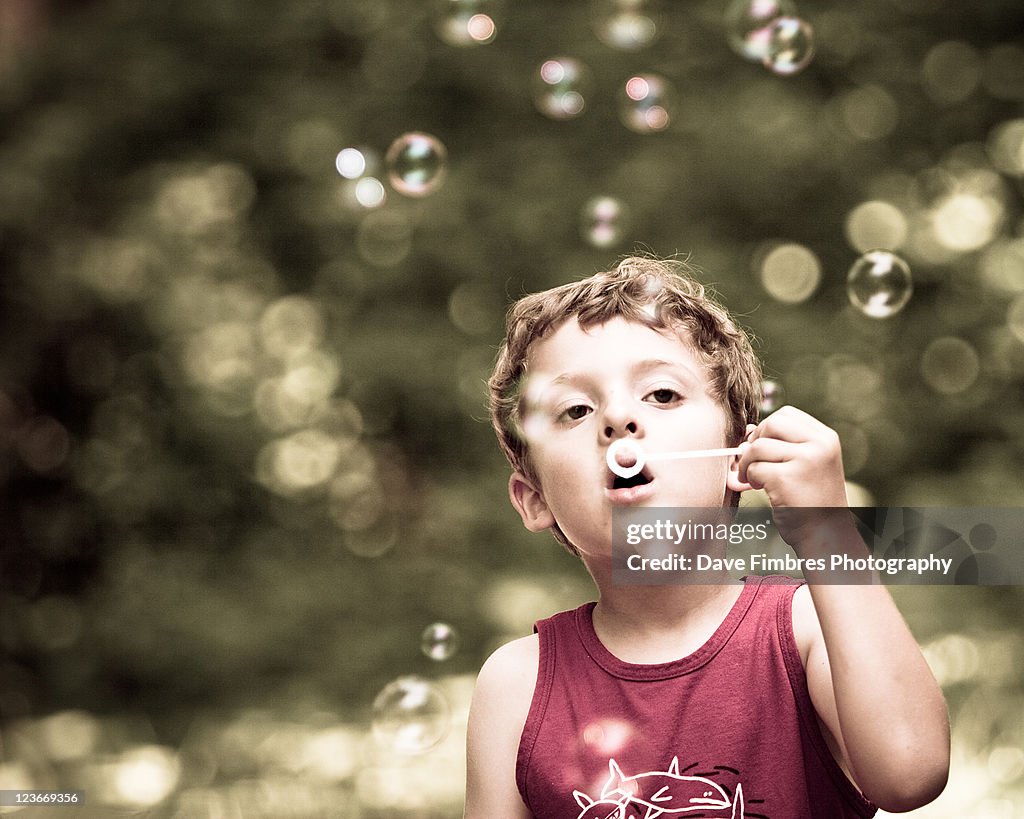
<point>505,685</point>
<point>512,667</point>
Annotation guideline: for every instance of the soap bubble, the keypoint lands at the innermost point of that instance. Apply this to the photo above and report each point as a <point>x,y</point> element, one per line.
<point>561,87</point>
<point>773,396</point>
<point>748,25</point>
<point>416,164</point>
<point>645,103</point>
<point>790,46</point>
<point>625,24</point>
<point>603,221</point>
<point>466,23</point>
<point>879,284</point>
<point>439,641</point>
<point>410,716</point>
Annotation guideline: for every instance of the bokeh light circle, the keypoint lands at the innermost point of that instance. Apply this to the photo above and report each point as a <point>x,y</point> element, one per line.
<point>439,641</point>
<point>790,46</point>
<point>950,365</point>
<point>410,716</point>
<point>1006,147</point>
<point>645,103</point>
<point>561,85</point>
<point>416,164</point>
<point>1015,318</point>
<point>876,224</point>
<point>748,22</point>
<point>790,272</point>
<point>350,163</point>
<point>879,284</point>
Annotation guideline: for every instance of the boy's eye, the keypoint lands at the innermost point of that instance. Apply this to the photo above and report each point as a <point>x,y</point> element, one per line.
<point>575,412</point>
<point>664,396</point>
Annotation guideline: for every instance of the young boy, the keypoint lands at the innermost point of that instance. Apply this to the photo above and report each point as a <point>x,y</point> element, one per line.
<point>756,699</point>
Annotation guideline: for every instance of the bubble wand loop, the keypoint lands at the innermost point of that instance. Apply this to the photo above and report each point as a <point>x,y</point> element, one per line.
<point>625,446</point>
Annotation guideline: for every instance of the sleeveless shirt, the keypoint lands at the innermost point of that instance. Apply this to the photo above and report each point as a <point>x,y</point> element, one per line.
<point>727,731</point>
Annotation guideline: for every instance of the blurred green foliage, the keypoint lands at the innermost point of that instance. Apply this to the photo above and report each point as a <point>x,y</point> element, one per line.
<point>243,446</point>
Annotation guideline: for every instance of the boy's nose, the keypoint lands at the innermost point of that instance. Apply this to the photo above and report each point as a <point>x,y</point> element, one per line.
<point>619,417</point>
<point>618,422</point>
<point>613,431</point>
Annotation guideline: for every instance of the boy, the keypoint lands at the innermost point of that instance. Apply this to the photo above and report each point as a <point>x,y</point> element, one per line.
<point>755,699</point>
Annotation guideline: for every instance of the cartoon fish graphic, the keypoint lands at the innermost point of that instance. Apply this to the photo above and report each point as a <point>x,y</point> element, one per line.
<point>599,808</point>
<point>669,792</point>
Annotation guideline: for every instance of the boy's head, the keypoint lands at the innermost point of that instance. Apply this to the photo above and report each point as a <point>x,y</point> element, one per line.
<point>659,294</point>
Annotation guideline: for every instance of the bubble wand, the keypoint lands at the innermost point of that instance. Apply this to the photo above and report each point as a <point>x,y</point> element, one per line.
<point>641,459</point>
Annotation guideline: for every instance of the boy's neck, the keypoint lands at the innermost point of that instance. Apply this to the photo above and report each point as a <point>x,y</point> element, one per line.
<point>649,624</point>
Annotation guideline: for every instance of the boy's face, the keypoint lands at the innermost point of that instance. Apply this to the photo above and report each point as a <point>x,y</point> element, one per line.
<point>589,388</point>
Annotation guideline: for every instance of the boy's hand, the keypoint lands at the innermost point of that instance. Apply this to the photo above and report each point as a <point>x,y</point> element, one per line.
<point>797,461</point>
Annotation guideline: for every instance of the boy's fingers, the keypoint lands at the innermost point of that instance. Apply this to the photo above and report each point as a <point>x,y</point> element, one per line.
<point>763,450</point>
<point>789,424</point>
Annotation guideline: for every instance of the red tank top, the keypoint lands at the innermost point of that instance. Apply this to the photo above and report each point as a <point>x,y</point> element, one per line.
<point>728,731</point>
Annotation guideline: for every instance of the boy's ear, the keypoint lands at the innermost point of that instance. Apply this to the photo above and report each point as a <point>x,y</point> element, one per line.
<point>529,503</point>
<point>732,479</point>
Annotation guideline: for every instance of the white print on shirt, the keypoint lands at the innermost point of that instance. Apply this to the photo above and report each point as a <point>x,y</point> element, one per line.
<point>669,792</point>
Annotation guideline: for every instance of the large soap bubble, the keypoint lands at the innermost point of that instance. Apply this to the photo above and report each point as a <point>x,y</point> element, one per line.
<point>410,715</point>
<point>879,284</point>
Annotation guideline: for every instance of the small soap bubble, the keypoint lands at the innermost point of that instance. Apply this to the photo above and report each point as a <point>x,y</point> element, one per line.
<point>879,284</point>
<point>466,23</point>
<point>748,25</point>
<point>603,221</point>
<point>626,24</point>
<point>790,46</point>
<point>439,641</point>
<point>410,716</point>
<point>561,86</point>
<point>645,103</point>
<point>416,164</point>
<point>773,396</point>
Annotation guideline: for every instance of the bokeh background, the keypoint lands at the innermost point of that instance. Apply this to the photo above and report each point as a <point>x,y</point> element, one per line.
<point>243,447</point>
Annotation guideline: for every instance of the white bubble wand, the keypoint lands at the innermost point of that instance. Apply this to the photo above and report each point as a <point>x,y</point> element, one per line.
<point>625,446</point>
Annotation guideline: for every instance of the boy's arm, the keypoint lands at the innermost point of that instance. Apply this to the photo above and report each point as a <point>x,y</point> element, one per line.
<point>875,693</point>
<point>501,702</point>
<point>867,677</point>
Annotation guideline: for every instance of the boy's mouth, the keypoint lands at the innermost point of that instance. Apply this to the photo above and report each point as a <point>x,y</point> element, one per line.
<point>640,479</point>
<point>628,491</point>
<point>621,486</point>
